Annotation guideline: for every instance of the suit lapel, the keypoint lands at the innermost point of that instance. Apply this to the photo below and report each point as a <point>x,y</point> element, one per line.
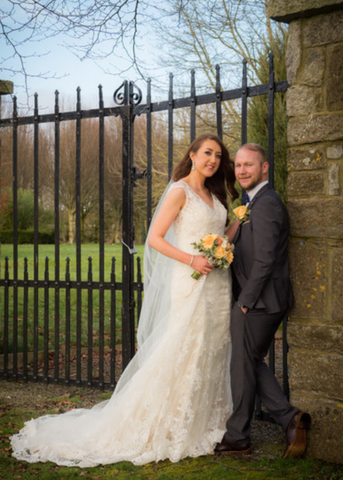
<point>258,195</point>
<point>250,206</point>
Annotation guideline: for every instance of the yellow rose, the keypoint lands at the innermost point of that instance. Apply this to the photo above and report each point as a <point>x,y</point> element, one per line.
<point>240,212</point>
<point>219,252</point>
<point>229,257</point>
<point>208,240</point>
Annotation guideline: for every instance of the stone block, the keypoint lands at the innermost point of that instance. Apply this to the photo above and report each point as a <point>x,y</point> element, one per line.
<point>288,10</point>
<point>315,337</point>
<point>332,211</point>
<point>313,371</point>
<point>337,287</point>
<point>293,51</point>
<point>324,29</point>
<point>325,439</point>
<point>305,183</point>
<point>334,76</point>
<point>334,152</point>
<point>314,128</point>
<point>6,87</point>
<point>308,270</point>
<point>302,100</point>
<point>333,179</point>
<point>306,158</point>
<point>314,67</point>
<point>316,217</point>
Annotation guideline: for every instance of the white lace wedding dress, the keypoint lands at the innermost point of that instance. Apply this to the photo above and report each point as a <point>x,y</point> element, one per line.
<point>174,400</point>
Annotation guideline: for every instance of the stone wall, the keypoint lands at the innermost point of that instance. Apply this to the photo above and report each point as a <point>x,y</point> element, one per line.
<point>315,192</point>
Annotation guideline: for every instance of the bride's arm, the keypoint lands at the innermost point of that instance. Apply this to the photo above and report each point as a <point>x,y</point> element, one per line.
<point>231,231</point>
<point>169,210</point>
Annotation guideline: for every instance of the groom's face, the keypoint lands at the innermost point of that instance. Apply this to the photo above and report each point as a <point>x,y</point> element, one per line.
<point>250,170</point>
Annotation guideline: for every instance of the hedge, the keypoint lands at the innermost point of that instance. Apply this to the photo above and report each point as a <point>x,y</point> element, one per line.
<point>27,236</point>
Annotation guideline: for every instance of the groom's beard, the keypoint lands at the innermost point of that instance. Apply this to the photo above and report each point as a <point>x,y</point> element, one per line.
<point>256,178</point>
<point>251,185</point>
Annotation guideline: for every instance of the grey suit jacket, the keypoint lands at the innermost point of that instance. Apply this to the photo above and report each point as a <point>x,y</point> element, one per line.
<point>261,265</point>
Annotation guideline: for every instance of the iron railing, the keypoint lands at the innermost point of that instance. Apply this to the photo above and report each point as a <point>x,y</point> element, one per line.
<point>127,98</point>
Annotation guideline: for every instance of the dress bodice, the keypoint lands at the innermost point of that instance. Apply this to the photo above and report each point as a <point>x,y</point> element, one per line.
<point>197,218</point>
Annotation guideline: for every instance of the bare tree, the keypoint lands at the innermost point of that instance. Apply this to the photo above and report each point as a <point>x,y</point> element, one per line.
<point>185,34</point>
<point>91,29</point>
<point>224,32</point>
<point>24,157</point>
<point>204,33</point>
<point>189,34</point>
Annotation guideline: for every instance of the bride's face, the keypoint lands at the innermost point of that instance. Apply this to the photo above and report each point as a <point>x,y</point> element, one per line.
<point>207,159</point>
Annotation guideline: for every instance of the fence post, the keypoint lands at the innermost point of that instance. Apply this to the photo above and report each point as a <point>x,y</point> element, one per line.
<point>127,99</point>
<point>128,238</point>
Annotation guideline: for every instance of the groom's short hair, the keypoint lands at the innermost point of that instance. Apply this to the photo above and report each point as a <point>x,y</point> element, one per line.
<point>255,147</point>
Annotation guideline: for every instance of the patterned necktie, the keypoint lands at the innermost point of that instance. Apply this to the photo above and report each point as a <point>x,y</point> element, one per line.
<point>245,199</point>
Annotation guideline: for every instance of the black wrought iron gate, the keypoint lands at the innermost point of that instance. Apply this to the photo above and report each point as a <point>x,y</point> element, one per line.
<point>15,286</point>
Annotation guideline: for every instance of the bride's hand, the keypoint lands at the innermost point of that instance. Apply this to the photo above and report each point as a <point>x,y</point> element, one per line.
<point>201,265</point>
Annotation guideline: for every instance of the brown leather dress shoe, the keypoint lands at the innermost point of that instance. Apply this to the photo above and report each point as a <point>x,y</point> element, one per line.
<point>227,448</point>
<point>296,435</point>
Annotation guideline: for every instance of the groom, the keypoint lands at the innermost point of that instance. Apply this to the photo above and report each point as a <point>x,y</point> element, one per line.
<point>263,294</point>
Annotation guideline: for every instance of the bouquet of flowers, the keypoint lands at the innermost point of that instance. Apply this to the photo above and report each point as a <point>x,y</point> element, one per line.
<point>216,249</point>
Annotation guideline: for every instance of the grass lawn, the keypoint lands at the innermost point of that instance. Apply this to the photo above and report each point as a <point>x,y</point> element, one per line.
<point>66,251</point>
<point>264,463</point>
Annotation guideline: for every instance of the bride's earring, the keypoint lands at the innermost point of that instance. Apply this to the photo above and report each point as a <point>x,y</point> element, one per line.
<point>193,167</point>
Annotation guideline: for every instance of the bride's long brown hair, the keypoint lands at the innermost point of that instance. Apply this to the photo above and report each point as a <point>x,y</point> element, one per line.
<point>223,181</point>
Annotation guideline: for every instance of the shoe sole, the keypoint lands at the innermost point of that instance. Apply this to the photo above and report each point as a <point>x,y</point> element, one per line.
<point>298,446</point>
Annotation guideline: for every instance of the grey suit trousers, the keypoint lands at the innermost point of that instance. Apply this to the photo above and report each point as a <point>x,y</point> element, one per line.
<point>251,335</point>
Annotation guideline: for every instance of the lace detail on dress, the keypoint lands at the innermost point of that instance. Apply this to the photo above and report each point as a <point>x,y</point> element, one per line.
<point>197,218</point>
<point>177,402</point>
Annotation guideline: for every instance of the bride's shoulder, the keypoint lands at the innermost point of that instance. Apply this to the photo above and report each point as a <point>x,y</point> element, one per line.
<point>178,192</point>
<point>179,184</point>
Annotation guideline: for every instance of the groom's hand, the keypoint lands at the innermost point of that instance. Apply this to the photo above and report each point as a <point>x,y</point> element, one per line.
<point>244,309</point>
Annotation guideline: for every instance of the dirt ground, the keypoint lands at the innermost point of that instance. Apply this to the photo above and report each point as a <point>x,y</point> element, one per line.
<point>40,397</point>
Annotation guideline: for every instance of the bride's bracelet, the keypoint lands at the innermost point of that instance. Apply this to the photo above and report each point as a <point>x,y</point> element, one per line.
<point>191,261</point>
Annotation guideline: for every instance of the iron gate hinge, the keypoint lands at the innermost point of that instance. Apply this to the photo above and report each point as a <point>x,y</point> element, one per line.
<point>138,175</point>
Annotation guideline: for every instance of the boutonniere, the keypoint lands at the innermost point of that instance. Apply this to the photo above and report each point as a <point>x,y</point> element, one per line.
<point>242,213</point>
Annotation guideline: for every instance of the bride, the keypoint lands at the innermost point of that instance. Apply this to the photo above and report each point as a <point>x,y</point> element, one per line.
<point>173,399</point>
